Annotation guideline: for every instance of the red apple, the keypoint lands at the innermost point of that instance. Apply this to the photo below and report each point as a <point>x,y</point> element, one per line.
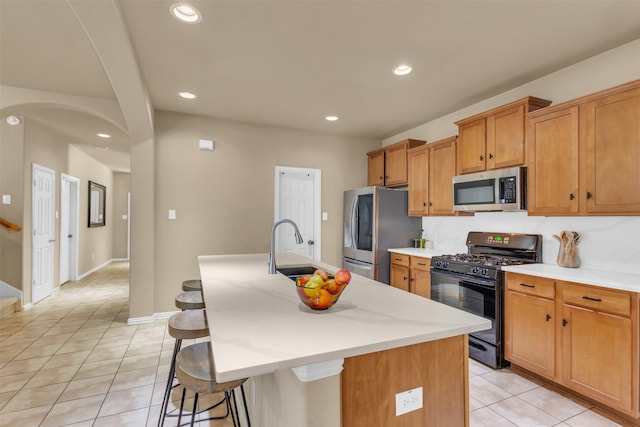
<point>302,280</point>
<point>332,286</point>
<point>342,277</point>
<point>322,274</point>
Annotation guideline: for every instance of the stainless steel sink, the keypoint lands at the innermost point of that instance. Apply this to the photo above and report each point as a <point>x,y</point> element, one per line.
<point>294,272</point>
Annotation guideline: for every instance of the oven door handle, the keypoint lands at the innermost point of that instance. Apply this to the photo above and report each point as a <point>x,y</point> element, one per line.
<point>483,283</point>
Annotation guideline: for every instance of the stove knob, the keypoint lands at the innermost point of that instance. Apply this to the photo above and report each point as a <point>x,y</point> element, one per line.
<point>485,271</point>
<point>475,270</point>
<point>445,264</point>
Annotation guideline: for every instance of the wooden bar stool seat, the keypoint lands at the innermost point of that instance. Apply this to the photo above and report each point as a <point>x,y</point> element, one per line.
<point>192,285</point>
<point>195,371</point>
<point>189,324</point>
<point>191,300</point>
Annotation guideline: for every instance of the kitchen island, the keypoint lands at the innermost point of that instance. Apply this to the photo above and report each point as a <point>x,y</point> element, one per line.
<point>390,341</point>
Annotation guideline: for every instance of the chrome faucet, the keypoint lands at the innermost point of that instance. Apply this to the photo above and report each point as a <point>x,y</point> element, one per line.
<point>272,252</point>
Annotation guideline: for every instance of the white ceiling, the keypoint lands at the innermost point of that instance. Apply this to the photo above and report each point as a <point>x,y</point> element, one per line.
<point>291,63</point>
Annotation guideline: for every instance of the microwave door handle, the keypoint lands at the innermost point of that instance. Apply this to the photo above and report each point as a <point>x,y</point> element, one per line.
<point>497,190</point>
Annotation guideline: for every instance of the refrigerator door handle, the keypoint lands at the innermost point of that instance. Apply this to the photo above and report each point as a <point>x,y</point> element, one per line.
<point>354,222</point>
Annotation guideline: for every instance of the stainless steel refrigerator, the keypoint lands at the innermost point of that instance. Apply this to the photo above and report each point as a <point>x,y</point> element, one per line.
<point>375,219</point>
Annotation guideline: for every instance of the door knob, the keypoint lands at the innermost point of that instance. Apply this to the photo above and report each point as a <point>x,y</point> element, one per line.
<point>310,242</point>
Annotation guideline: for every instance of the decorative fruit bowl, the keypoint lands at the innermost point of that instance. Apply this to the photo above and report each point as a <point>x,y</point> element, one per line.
<point>322,290</point>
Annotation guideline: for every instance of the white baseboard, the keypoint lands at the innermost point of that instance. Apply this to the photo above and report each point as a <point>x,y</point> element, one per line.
<point>94,269</point>
<point>149,319</point>
<point>27,306</point>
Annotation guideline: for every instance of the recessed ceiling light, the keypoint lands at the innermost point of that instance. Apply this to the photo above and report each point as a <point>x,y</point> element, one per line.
<point>102,148</point>
<point>185,13</point>
<point>402,70</point>
<point>103,135</point>
<point>331,118</point>
<point>14,120</point>
<point>187,95</point>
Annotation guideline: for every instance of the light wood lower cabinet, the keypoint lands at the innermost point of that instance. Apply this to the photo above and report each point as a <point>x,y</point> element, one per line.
<point>582,337</point>
<point>530,324</point>
<point>411,274</point>
<point>399,267</point>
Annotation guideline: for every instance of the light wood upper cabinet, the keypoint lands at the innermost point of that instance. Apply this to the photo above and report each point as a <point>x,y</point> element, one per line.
<point>553,163</point>
<point>583,155</point>
<point>388,166</point>
<point>442,162</point>
<point>418,181</point>
<point>610,128</point>
<point>375,169</point>
<point>473,148</point>
<point>395,172</point>
<point>495,139</point>
<point>431,168</point>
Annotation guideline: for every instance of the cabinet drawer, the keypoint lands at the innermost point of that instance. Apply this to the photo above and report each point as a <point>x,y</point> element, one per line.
<point>420,263</point>
<point>531,285</point>
<point>596,298</point>
<point>399,259</point>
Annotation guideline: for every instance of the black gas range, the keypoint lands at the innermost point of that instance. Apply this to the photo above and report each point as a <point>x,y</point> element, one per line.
<point>474,282</point>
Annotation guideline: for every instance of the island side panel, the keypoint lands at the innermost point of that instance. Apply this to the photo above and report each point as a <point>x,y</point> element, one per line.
<point>370,382</point>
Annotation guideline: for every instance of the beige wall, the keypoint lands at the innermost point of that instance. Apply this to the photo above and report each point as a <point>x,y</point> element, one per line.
<point>122,187</point>
<point>224,199</point>
<point>611,68</point>
<point>94,244</point>
<point>12,184</point>
<point>34,142</point>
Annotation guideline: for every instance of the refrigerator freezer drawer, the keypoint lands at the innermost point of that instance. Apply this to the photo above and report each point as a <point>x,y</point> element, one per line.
<point>362,268</point>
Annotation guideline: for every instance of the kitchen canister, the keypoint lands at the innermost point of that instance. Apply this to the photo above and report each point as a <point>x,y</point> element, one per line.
<point>568,255</point>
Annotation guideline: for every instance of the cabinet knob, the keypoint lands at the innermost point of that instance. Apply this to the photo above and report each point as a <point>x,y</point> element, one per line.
<point>481,157</point>
<point>430,204</point>
<point>589,195</point>
<point>548,317</point>
<point>571,196</point>
<point>424,203</point>
<point>564,322</point>
<point>490,156</point>
<point>404,277</point>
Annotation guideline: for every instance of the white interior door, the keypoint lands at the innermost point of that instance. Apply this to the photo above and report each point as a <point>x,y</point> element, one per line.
<point>43,211</point>
<point>69,203</point>
<point>298,198</point>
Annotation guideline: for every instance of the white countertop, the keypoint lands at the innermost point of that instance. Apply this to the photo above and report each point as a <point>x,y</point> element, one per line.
<point>422,252</point>
<point>605,279</point>
<point>258,325</point>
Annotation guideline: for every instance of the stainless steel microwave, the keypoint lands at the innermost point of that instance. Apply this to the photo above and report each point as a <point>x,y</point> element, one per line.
<point>496,190</point>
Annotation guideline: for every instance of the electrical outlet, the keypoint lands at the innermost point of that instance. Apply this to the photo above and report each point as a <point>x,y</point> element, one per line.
<point>408,401</point>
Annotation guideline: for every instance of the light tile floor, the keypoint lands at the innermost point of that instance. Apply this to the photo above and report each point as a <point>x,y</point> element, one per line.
<point>72,360</point>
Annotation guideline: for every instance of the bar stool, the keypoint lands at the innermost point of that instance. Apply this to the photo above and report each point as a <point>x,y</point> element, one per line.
<point>192,285</point>
<point>190,324</point>
<point>195,371</point>
<point>190,300</point>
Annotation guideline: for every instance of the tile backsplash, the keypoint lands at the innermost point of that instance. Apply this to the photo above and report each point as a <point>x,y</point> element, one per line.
<point>609,243</point>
